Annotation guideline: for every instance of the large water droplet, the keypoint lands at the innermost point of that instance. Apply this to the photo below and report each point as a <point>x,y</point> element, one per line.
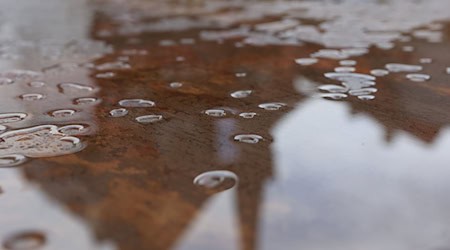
<point>397,67</point>
<point>216,181</point>
<point>118,112</point>
<point>248,138</point>
<point>32,97</point>
<point>418,77</point>
<point>136,103</point>
<point>241,93</point>
<point>216,112</point>
<point>149,118</point>
<point>12,117</point>
<point>30,240</point>
<point>11,160</point>
<point>248,115</point>
<point>272,105</point>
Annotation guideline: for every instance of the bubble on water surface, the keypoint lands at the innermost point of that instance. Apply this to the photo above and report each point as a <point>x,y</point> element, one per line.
<point>398,67</point>
<point>32,97</point>
<point>248,115</point>
<point>121,112</point>
<point>11,160</point>
<point>248,138</point>
<point>272,106</point>
<point>12,117</point>
<point>216,112</point>
<point>418,77</point>
<point>306,61</point>
<point>136,103</point>
<point>28,240</point>
<point>216,181</point>
<point>63,113</point>
<point>149,118</point>
<point>241,94</point>
<point>379,72</point>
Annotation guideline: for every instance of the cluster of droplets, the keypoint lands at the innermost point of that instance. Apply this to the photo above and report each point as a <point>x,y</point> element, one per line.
<point>136,103</point>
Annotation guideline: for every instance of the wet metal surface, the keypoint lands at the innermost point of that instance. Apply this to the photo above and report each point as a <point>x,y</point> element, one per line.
<point>136,125</point>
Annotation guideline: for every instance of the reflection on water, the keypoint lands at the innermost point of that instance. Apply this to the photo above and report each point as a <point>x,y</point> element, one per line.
<point>160,125</point>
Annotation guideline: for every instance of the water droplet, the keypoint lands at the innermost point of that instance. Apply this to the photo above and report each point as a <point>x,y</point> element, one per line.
<point>349,77</point>
<point>6,81</point>
<point>248,138</point>
<point>333,88</point>
<point>241,74</point>
<point>216,112</point>
<point>11,160</point>
<point>366,97</point>
<point>361,92</point>
<point>447,70</point>
<point>105,75</point>
<point>32,97</point>
<point>248,115</point>
<point>136,103</point>
<point>70,86</point>
<point>418,77</point>
<point>36,84</point>
<point>176,85</point>
<point>425,60</point>
<point>272,105</point>
<point>121,112</point>
<point>149,118</point>
<point>333,96</point>
<point>344,69</point>
<point>12,117</point>
<point>29,240</point>
<point>216,181</point>
<point>180,59</point>
<point>62,113</point>
<point>241,93</point>
<point>379,72</point>
<point>397,67</point>
<point>2,128</point>
<point>73,129</point>
<point>306,61</point>
<point>85,100</point>
<point>347,63</point>
<point>408,48</point>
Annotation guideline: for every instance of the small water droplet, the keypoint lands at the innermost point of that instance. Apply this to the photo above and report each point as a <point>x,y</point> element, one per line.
<point>447,70</point>
<point>180,59</point>
<point>72,129</point>
<point>347,77</point>
<point>36,84</point>
<point>344,69</point>
<point>149,118</point>
<point>248,115</point>
<point>12,117</point>
<point>2,128</point>
<point>216,112</point>
<point>333,88</point>
<point>272,105</point>
<point>11,160</point>
<point>347,63</point>
<point>62,113</point>
<point>408,48</point>
<point>398,67</point>
<point>366,97</point>
<point>241,93</point>
<point>70,86</point>
<point>216,181</point>
<point>121,112</point>
<point>418,77</point>
<point>105,75</point>
<point>32,97</point>
<point>379,72</point>
<point>6,81</point>
<point>363,91</point>
<point>176,85</point>
<point>136,103</point>
<point>85,100</point>
<point>248,138</point>
<point>425,60</point>
<point>333,96</point>
<point>29,240</point>
<point>241,74</point>
<point>306,61</point>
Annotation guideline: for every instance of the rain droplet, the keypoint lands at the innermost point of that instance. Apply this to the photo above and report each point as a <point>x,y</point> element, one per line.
<point>11,160</point>
<point>216,181</point>
<point>216,112</point>
<point>418,77</point>
<point>241,93</point>
<point>32,97</point>
<point>70,86</point>
<point>347,63</point>
<point>248,115</point>
<point>333,96</point>
<point>272,105</point>
<point>248,138</point>
<point>85,100</point>
<point>149,118</point>
<point>62,113</point>
<point>36,84</point>
<point>379,72</point>
<point>121,112</point>
<point>29,240</point>
<point>306,61</point>
<point>12,117</point>
<point>136,103</point>
<point>397,67</point>
<point>176,85</point>
<point>344,69</point>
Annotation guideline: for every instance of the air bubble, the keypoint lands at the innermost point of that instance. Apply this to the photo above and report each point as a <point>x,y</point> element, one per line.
<point>418,77</point>
<point>216,181</point>
<point>149,118</point>
<point>136,103</point>
<point>248,138</point>
<point>241,94</point>
<point>216,112</point>
<point>272,106</point>
<point>121,112</point>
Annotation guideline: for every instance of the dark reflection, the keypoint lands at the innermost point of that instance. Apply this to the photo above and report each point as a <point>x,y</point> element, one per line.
<point>134,183</point>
